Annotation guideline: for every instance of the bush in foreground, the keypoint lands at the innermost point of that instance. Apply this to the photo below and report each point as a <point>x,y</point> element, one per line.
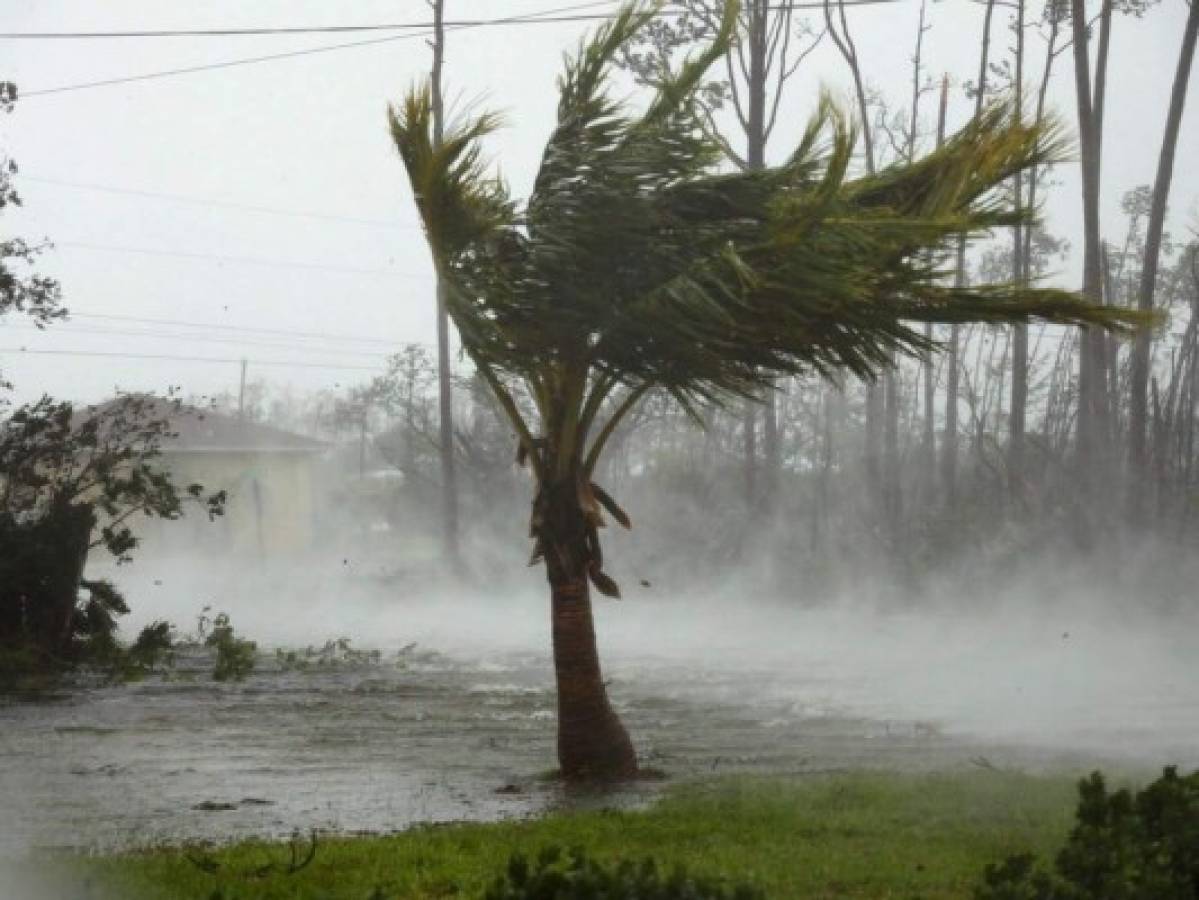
<point>1122,847</point>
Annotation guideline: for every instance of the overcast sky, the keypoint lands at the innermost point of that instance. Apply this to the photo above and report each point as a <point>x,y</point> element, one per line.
<point>157,192</point>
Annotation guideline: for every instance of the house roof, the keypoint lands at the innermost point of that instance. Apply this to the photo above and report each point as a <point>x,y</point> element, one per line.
<point>206,431</point>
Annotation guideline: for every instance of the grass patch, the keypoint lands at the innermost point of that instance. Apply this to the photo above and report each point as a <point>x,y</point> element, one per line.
<point>862,835</point>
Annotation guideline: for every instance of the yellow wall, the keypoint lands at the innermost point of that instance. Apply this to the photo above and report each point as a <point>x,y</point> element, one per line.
<point>270,508</point>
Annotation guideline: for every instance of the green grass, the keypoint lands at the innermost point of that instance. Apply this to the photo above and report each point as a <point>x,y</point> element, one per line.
<point>867,835</point>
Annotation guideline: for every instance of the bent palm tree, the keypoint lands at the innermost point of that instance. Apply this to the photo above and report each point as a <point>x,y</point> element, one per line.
<point>636,265</point>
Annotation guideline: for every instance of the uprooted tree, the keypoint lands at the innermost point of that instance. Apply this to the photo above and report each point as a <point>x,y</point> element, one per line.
<point>637,265</point>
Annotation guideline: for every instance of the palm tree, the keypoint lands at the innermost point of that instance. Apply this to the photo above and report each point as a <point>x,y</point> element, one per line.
<point>636,265</point>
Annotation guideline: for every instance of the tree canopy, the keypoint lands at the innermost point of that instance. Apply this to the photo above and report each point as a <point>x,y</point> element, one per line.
<point>638,263</point>
<point>35,295</point>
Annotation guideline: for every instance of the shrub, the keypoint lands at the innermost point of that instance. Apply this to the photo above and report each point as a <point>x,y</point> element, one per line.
<point>573,876</point>
<point>71,480</point>
<point>234,656</point>
<point>1123,847</point>
<point>334,654</point>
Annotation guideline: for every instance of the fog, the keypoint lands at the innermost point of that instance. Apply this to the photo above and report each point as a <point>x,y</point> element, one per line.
<point>1047,659</point>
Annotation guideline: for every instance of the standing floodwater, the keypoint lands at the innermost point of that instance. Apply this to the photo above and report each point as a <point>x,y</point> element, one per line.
<point>468,734</point>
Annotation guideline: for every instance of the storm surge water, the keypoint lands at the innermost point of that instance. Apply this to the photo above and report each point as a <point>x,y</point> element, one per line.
<point>455,719</point>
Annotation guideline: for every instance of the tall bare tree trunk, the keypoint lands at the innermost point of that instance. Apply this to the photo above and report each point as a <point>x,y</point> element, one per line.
<point>930,386</point>
<point>949,461</point>
<point>445,396</point>
<point>749,436</point>
<point>1090,122</point>
<point>1020,274</point>
<point>1153,244</point>
<point>1103,367</point>
<point>892,487</point>
<point>755,158</point>
<point>843,38</point>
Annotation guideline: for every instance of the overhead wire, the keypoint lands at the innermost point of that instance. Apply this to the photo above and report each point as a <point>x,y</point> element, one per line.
<point>290,54</point>
<point>238,260</point>
<point>200,201</point>
<point>296,364</point>
<point>235,328</point>
<point>547,17</point>
<point>69,329</point>
<point>559,15</point>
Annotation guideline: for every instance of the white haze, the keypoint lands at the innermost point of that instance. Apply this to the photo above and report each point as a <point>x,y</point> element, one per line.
<point>1061,657</point>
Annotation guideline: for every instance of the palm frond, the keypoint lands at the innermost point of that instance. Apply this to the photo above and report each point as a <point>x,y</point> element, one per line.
<point>636,261</point>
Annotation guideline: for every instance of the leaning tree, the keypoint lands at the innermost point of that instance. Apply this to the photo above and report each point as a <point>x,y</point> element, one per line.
<point>638,265</point>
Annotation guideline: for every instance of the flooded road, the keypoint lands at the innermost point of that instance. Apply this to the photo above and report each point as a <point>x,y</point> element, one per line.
<point>376,748</point>
<point>461,725</point>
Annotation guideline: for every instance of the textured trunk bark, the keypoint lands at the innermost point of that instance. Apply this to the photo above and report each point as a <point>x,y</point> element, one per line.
<point>592,741</point>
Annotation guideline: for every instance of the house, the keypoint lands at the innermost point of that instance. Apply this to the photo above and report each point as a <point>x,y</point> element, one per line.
<point>268,474</point>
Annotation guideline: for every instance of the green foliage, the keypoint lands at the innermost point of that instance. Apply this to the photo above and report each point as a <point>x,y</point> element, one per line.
<point>1123,847</point>
<point>334,653</point>
<point>37,296</point>
<point>849,836</point>
<point>636,256</point>
<point>72,482</point>
<point>558,876</point>
<point>153,647</point>
<point>638,264</point>
<point>235,657</point>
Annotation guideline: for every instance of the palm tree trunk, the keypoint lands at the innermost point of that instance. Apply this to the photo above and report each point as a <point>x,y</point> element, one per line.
<point>592,741</point>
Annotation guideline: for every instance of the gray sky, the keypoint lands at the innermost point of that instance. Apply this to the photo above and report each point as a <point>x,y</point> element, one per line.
<point>308,135</point>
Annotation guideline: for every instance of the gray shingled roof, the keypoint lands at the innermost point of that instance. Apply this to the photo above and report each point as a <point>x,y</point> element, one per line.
<point>205,431</point>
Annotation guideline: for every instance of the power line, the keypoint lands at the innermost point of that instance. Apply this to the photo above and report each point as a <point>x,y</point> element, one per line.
<point>547,17</point>
<point>251,31</point>
<point>271,57</point>
<point>236,328</point>
<point>183,198</point>
<point>203,338</point>
<point>238,260</point>
<point>296,364</point>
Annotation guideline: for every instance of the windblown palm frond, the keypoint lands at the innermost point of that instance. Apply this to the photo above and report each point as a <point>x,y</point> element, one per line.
<point>636,262</point>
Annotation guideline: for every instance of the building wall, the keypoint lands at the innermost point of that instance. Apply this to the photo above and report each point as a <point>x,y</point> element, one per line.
<point>270,508</point>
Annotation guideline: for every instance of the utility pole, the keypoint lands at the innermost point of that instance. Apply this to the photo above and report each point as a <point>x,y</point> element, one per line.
<point>449,481</point>
<point>241,392</point>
